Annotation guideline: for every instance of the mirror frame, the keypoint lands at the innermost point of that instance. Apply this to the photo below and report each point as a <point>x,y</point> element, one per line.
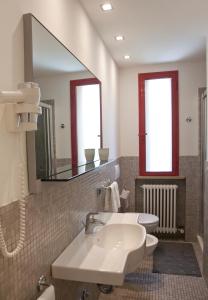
<point>34,184</point>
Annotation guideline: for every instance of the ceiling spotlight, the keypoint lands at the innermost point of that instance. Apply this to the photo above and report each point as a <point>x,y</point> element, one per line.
<point>106,7</point>
<point>126,56</point>
<point>119,38</point>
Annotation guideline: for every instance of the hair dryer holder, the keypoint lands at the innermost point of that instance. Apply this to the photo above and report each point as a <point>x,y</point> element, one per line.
<point>22,116</point>
<point>22,107</point>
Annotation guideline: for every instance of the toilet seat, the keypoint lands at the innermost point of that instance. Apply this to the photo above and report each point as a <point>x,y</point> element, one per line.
<point>147,219</point>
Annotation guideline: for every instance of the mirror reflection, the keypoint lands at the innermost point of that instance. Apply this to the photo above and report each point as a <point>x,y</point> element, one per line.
<point>71,106</point>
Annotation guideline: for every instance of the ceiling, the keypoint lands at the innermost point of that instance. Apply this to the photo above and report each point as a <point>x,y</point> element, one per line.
<point>156,31</point>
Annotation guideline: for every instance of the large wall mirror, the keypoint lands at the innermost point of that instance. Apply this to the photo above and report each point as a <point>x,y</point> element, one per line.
<point>71,106</point>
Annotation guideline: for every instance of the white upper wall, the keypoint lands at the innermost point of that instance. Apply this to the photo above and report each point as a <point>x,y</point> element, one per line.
<point>191,77</point>
<point>69,23</point>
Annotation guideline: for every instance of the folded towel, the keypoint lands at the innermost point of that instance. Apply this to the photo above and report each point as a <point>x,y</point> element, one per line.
<point>115,194</point>
<point>112,198</point>
<point>107,206</point>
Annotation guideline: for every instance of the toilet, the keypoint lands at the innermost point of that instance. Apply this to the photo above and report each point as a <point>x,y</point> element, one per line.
<point>150,222</point>
<point>151,244</point>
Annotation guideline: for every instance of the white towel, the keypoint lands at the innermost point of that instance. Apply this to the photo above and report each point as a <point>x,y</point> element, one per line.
<point>112,198</point>
<point>48,294</point>
<point>115,194</point>
<point>107,206</point>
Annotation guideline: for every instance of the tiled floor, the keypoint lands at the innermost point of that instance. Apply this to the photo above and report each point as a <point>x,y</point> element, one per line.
<point>145,285</point>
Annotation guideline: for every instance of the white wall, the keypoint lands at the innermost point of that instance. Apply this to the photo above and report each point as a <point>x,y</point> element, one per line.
<point>191,77</point>
<point>68,21</point>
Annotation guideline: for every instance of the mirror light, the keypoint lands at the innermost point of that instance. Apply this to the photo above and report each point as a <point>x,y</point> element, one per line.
<point>126,56</point>
<point>119,38</point>
<point>106,7</point>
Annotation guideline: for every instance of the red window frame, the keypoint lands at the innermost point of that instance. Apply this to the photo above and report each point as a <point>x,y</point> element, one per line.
<point>73,105</point>
<point>175,122</point>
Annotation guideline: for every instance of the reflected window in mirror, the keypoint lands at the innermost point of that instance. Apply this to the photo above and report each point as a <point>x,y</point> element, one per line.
<point>86,125</point>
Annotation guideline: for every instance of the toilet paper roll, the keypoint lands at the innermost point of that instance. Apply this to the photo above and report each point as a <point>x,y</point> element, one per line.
<point>48,294</point>
<point>124,196</point>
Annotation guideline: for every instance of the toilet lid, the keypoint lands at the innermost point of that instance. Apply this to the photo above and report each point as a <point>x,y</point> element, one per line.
<point>147,219</point>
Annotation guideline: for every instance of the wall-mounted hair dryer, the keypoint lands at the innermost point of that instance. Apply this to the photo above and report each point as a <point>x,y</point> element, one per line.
<point>22,107</point>
<point>22,110</point>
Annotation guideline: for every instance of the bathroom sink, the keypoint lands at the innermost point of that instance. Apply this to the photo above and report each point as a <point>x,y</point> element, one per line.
<point>118,237</point>
<point>105,256</point>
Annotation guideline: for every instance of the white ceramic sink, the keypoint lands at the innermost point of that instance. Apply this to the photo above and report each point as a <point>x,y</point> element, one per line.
<point>106,255</point>
<point>118,236</point>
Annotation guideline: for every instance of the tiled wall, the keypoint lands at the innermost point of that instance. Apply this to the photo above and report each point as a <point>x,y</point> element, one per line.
<point>205,254</point>
<point>190,168</point>
<point>54,218</point>
<point>129,167</point>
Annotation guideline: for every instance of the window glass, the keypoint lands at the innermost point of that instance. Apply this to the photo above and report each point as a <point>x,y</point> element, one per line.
<point>158,124</point>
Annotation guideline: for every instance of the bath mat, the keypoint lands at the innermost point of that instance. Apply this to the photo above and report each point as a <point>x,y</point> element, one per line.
<point>175,258</point>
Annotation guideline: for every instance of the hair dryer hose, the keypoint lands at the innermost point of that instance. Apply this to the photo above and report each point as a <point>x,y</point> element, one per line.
<point>22,207</point>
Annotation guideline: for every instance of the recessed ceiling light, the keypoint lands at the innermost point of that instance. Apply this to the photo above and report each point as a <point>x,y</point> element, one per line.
<point>119,38</point>
<point>126,56</point>
<point>106,6</point>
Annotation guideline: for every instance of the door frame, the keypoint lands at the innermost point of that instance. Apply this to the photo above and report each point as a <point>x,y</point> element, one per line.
<point>73,105</point>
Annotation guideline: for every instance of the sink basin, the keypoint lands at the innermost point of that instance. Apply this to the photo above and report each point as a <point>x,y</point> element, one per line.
<point>104,256</point>
<point>118,237</point>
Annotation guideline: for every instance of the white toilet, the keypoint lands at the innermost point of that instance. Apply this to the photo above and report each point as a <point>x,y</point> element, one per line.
<point>151,244</point>
<point>150,222</point>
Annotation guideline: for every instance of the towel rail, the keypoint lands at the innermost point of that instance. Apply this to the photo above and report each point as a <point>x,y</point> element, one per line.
<point>103,187</point>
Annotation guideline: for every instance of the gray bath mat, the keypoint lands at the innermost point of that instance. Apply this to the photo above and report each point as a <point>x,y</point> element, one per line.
<point>175,258</point>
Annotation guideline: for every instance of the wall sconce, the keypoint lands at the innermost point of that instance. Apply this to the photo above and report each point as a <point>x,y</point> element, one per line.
<point>188,119</point>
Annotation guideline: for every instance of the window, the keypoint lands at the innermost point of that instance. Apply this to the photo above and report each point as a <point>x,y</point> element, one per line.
<point>158,123</point>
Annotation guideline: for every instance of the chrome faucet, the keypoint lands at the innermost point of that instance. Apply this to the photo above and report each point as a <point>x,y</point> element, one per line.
<point>91,222</point>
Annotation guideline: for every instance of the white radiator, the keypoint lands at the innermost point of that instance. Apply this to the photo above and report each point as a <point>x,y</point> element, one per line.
<point>160,200</point>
